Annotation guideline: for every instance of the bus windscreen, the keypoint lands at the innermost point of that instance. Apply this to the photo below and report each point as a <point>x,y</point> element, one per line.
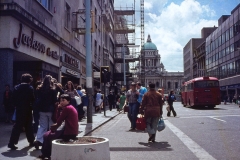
<point>206,84</point>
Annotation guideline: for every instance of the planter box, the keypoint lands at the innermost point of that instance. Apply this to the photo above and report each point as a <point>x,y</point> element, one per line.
<point>91,151</point>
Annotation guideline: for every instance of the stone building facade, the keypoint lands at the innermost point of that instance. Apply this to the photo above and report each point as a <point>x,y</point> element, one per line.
<point>154,71</point>
<point>40,37</point>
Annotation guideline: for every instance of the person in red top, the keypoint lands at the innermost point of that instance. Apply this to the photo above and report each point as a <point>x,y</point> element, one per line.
<point>66,131</point>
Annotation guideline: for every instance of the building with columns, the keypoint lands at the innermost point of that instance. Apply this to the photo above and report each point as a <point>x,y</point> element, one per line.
<point>151,70</point>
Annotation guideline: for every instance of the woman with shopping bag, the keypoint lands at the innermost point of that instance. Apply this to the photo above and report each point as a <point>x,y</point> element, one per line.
<point>152,104</point>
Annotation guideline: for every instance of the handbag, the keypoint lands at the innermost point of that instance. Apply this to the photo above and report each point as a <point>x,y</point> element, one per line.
<point>161,125</point>
<point>141,123</point>
<point>78,100</point>
<point>126,108</point>
<point>168,108</point>
<point>14,115</point>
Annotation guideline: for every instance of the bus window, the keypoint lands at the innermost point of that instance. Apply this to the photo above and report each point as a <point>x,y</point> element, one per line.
<point>206,84</point>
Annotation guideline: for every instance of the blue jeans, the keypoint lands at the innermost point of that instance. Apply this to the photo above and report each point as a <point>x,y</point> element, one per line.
<point>132,114</point>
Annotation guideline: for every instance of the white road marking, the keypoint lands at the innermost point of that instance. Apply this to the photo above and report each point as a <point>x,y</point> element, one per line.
<point>217,119</point>
<point>212,116</point>
<point>199,152</point>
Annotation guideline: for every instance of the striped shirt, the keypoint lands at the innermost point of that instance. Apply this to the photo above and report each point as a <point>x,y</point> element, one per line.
<point>132,96</point>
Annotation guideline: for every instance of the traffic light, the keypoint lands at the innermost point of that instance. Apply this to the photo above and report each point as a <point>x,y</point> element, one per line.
<point>105,74</point>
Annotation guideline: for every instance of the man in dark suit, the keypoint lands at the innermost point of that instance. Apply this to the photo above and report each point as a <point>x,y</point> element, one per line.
<point>23,98</point>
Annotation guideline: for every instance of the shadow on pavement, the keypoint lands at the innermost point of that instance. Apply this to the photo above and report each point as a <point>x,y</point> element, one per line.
<point>206,108</point>
<point>16,153</point>
<point>163,146</point>
<point>157,146</point>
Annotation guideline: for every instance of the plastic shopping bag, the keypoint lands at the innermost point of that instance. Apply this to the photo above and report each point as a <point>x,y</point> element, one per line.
<point>14,115</point>
<point>161,125</point>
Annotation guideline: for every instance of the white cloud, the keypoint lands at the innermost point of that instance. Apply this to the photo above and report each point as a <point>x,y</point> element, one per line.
<point>174,26</point>
<point>147,5</point>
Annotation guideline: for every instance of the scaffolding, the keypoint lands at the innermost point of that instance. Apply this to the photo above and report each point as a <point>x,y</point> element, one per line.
<point>124,31</point>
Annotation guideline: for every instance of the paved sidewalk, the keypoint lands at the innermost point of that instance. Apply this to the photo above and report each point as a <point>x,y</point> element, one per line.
<point>30,153</point>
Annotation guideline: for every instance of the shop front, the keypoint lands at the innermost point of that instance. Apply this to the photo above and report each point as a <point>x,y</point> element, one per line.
<point>24,50</point>
<point>70,69</point>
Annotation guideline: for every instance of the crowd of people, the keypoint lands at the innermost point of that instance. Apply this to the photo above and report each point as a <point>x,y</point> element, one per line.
<point>53,109</point>
<point>49,105</point>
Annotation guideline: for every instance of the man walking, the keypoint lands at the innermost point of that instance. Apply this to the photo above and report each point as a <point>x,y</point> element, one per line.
<point>23,98</point>
<point>111,100</point>
<point>152,103</point>
<point>131,97</point>
<point>171,99</point>
<point>141,91</point>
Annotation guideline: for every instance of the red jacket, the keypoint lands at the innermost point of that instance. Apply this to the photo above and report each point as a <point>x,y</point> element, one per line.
<point>70,116</point>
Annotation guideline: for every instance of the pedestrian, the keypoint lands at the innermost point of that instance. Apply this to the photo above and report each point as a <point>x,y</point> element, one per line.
<point>36,115</point>
<point>117,101</point>
<point>98,97</point>
<point>171,99</point>
<point>131,98</point>
<point>46,99</point>
<point>160,91</point>
<point>79,88</point>
<point>83,106</point>
<point>111,100</point>
<point>225,99</point>
<point>8,103</point>
<point>152,104</point>
<point>72,92</point>
<point>122,101</point>
<point>67,131</point>
<point>141,91</point>
<point>23,98</point>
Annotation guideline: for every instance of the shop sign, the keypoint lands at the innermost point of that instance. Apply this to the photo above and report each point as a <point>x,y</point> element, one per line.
<point>70,60</point>
<point>32,43</point>
<point>71,72</point>
<point>234,86</point>
<point>223,88</point>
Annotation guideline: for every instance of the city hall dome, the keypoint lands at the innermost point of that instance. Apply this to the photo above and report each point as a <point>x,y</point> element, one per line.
<point>149,45</point>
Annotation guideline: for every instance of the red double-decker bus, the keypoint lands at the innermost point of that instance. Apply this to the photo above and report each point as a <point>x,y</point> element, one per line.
<point>201,91</point>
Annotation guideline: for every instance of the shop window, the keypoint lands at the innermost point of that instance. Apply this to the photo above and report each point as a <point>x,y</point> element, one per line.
<point>157,84</point>
<point>45,3</point>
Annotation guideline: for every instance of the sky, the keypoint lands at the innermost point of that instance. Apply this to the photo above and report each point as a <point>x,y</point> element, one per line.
<point>172,23</point>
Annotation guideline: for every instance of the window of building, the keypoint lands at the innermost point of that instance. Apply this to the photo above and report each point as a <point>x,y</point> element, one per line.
<point>231,32</point>
<point>169,85</point>
<point>157,84</point>
<point>236,28</point>
<point>217,56</point>
<point>220,40</point>
<point>220,54</point>
<point>237,63</point>
<point>223,52</point>
<point>67,16</point>
<point>227,35</point>
<point>223,37</point>
<point>231,48</point>
<point>227,50</point>
<point>45,3</point>
<point>176,85</point>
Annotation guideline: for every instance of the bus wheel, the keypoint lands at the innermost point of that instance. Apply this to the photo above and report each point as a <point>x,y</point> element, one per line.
<point>212,106</point>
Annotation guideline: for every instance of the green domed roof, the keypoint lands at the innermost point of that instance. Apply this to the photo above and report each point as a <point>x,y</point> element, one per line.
<point>149,45</point>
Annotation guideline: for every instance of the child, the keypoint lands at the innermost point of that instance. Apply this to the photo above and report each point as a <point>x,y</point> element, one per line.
<point>68,114</point>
